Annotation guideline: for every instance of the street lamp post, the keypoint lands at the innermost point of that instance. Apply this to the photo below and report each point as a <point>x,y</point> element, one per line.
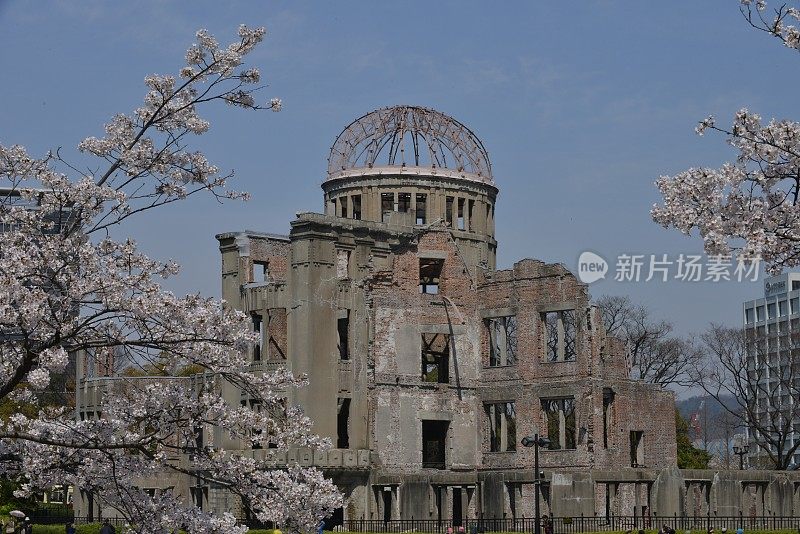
<point>535,441</point>
<point>740,451</point>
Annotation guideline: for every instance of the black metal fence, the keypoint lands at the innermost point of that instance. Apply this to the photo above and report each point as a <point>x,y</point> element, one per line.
<point>54,519</point>
<point>577,525</point>
<point>561,525</point>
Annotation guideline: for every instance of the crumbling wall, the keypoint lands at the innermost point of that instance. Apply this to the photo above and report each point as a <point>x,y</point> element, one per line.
<point>273,252</point>
<point>401,316</point>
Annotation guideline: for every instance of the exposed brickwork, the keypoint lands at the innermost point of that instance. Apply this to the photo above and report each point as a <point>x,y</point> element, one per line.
<point>274,252</point>
<point>277,334</point>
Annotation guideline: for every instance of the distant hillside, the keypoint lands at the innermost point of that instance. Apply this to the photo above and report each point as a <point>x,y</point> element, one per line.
<point>711,414</point>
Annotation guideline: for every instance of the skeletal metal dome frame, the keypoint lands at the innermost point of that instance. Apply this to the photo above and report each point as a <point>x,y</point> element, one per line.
<point>403,136</point>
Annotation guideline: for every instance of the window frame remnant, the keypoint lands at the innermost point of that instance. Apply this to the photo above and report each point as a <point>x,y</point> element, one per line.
<point>561,422</point>
<point>502,340</point>
<point>434,432</point>
<point>435,358</point>
<point>448,211</point>
<point>387,206</point>
<point>403,202</point>
<point>343,336</point>
<point>502,419</point>
<point>356,199</point>
<point>343,423</point>
<point>421,209</point>
<point>430,275</point>
<point>560,335</point>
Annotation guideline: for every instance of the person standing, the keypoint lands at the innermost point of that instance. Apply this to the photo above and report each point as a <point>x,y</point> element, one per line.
<point>547,524</point>
<point>107,528</point>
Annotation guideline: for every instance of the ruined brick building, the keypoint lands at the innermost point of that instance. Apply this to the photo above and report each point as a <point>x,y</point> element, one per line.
<point>426,364</point>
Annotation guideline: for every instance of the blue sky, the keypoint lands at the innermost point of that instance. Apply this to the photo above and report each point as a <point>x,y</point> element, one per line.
<point>581,105</point>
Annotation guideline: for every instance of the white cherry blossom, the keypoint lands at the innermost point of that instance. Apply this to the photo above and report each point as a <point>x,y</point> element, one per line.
<point>751,205</point>
<point>68,288</point>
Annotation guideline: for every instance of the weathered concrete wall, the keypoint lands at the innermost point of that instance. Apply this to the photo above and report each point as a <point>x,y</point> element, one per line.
<point>414,500</point>
<point>669,492</point>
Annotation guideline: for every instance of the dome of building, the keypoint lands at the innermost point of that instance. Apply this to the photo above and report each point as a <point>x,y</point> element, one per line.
<point>409,140</point>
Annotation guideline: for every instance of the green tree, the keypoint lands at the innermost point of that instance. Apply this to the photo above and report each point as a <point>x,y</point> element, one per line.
<point>689,457</point>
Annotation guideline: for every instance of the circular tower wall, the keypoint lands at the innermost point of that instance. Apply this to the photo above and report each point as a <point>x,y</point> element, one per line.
<point>414,166</point>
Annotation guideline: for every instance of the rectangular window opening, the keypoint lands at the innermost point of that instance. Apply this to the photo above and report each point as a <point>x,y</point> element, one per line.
<point>343,329</point>
<point>343,203</point>
<point>559,415</point>
<point>260,271</point>
<point>502,340</point>
<point>502,419</point>
<point>357,207</point>
<point>387,504</point>
<point>448,211</point>
<point>460,214</point>
<point>199,496</point>
<point>387,206</point>
<point>435,358</point>
<point>561,335</point>
<point>258,327</point>
<point>637,448</point>
<point>430,274</point>
<point>434,444</point>
<point>422,208</point>
<point>404,202</point>
<point>342,424</point>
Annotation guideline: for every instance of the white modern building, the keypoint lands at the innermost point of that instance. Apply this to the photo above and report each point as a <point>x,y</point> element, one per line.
<point>772,328</point>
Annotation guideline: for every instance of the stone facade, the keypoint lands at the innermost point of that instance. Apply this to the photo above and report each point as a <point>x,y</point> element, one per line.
<point>427,365</point>
<point>430,364</point>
